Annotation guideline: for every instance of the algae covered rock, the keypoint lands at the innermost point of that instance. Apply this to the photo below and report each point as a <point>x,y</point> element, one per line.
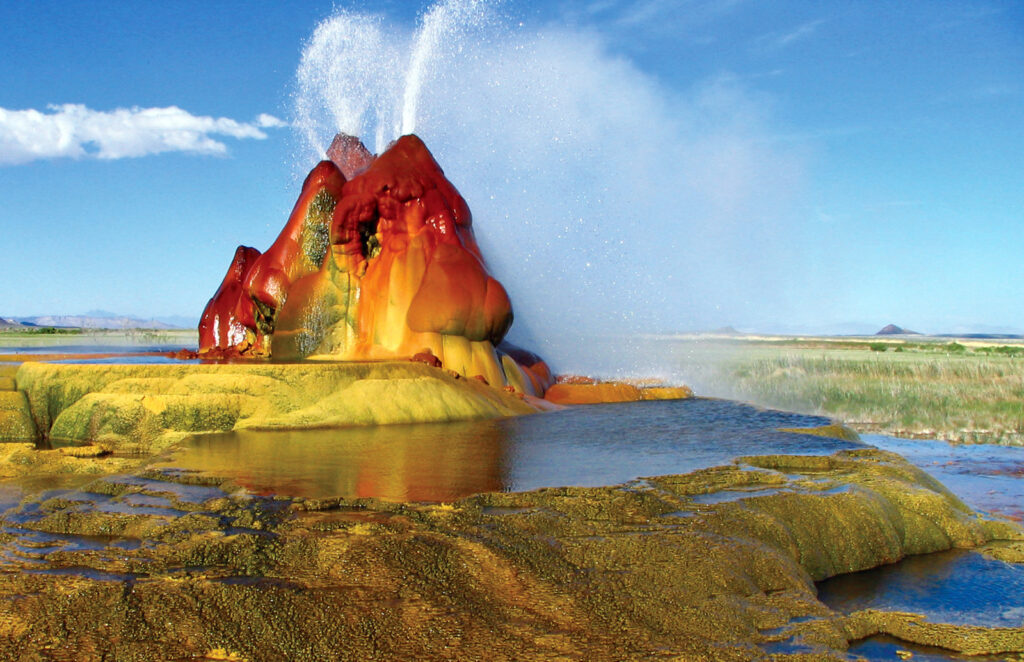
<point>651,569</point>
<point>16,422</point>
<point>834,430</point>
<point>859,509</point>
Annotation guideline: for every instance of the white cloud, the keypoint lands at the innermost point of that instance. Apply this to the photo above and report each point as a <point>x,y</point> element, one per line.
<point>75,131</point>
<point>269,121</point>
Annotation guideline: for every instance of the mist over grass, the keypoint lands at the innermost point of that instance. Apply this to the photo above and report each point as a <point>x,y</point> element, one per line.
<point>972,394</point>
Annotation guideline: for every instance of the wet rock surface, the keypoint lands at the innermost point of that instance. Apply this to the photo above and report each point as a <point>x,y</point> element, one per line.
<point>168,564</point>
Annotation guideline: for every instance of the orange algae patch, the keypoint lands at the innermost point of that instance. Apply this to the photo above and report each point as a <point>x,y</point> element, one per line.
<point>667,392</point>
<point>581,393</point>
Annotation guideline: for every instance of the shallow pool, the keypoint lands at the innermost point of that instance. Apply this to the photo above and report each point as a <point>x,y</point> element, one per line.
<point>586,446</point>
<point>986,477</point>
<point>960,586</point>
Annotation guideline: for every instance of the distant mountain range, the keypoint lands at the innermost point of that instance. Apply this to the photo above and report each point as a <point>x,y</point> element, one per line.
<point>893,330</point>
<point>97,319</point>
<point>982,336</point>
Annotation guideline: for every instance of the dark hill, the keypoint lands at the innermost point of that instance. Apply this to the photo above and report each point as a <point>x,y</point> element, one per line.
<point>893,330</point>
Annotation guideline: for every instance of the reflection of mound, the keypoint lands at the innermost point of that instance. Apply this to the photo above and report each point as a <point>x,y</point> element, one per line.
<point>410,463</point>
<point>377,261</point>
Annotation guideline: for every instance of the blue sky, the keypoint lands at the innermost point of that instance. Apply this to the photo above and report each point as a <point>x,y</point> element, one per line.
<point>632,165</point>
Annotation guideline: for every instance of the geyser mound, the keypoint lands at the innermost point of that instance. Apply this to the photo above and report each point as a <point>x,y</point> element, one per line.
<point>377,261</point>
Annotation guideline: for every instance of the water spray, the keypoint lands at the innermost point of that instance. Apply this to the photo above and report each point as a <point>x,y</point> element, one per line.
<point>607,203</point>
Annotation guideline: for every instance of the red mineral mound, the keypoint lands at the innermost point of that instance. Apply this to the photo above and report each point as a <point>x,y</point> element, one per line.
<point>377,261</point>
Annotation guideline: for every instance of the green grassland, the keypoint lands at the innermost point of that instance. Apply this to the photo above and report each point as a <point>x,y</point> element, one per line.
<point>964,391</point>
<point>20,331</point>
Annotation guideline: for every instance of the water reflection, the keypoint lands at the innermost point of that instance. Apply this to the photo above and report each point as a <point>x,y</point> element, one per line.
<point>985,476</point>
<point>588,446</point>
<point>72,349</point>
<point>959,586</point>
<point>397,463</point>
<point>883,647</point>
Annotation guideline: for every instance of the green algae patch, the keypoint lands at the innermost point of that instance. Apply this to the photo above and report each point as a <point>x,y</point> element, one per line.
<point>1009,551</point>
<point>24,462</point>
<point>393,400</point>
<point>833,430</point>
<point>143,408</point>
<point>16,422</point>
<point>873,507</point>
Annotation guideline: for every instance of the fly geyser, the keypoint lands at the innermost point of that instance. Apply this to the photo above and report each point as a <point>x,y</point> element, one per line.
<point>377,261</point>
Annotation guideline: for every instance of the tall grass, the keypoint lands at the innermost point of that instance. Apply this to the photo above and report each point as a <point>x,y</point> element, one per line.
<point>961,397</point>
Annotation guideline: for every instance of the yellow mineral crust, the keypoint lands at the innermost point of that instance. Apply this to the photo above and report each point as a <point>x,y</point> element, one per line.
<point>147,407</point>
<point>15,422</point>
<point>835,430</point>
<point>566,393</point>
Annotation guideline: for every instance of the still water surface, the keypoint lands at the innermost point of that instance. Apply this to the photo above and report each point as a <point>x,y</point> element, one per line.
<point>584,446</point>
<point>959,586</point>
